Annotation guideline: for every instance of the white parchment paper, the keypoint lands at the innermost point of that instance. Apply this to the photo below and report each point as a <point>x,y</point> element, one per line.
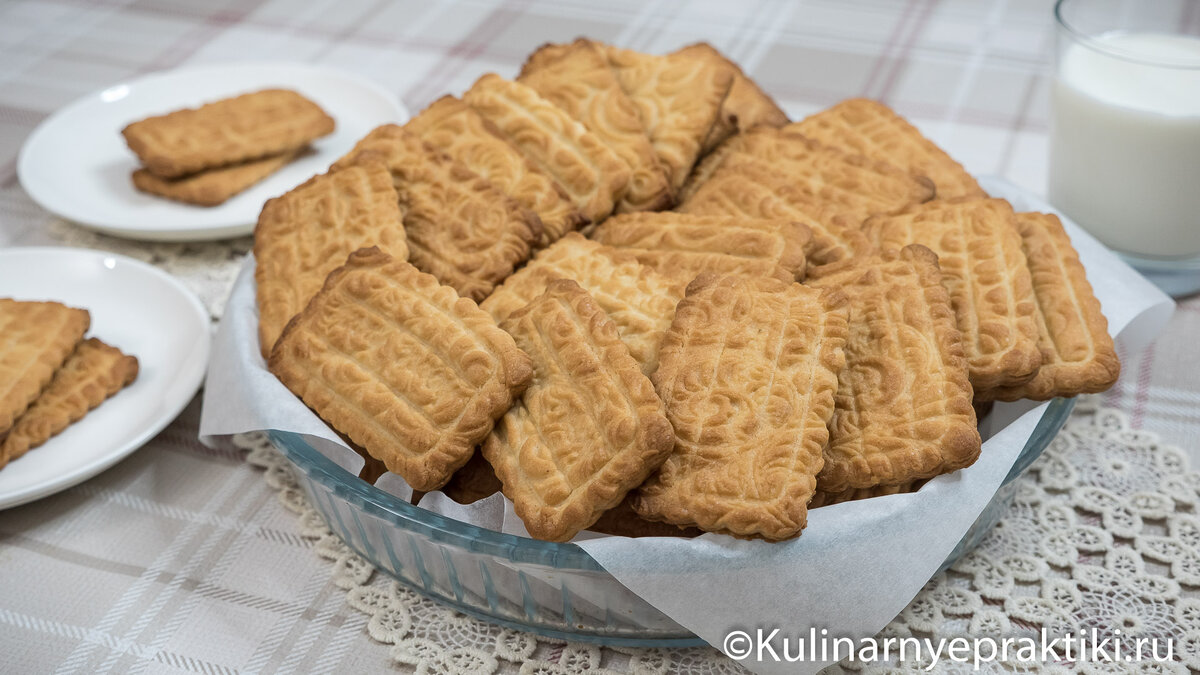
<point>855,566</point>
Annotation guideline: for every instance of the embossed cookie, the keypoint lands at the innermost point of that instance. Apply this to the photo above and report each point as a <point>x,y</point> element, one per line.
<point>474,481</point>
<point>983,268</point>
<point>231,130</point>
<point>402,365</point>
<point>1078,356</point>
<point>460,131</point>
<point>580,82</point>
<point>639,300</point>
<point>872,129</point>
<point>745,107</point>
<point>684,245</point>
<point>755,190</point>
<point>589,427</point>
<point>622,521</point>
<point>903,406</point>
<point>460,227</point>
<point>830,498</point>
<point>213,186</point>
<point>590,172</point>
<point>748,373</point>
<point>94,372</point>
<point>305,234</point>
<point>35,339</point>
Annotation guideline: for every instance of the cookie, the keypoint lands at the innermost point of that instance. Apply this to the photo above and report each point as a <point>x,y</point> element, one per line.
<point>748,373</point>
<point>94,372</point>
<point>213,186</point>
<point>590,172</point>
<point>622,521</point>
<point>460,227</point>
<point>580,82</point>
<point>745,107</point>
<point>400,364</point>
<point>872,129</point>
<point>903,406</point>
<point>587,430</point>
<point>685,245</point>
<point>639,300</point>
<point>1078,356</point>
<point>35,339</point>
<point>458,130</point>
<point>474,481</point>
<point>830,498</point>
<point>983,268</point>
<point>306,233</point>
<point>228,131</point>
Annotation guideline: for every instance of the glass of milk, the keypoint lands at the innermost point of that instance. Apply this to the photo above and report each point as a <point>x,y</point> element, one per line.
<point>1125,131</point>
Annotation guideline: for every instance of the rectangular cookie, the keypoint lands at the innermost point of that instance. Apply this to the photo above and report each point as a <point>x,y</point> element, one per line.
<point>903,406</point>
<point>872,129</point>
<point>228,131</point>
<point>679,99</point>
<point>35,339</point>
<point>587,430</point>
<point>745,107</point>
<point>1078,356</point>
<point>213,186</point>
<point>639,300</point>
<point>580,82</point>
<point>748,373</point>
<point>94,372</point>
<point>683,245</point>
<point>590,172</point>
<point>983,268</point>
<point>754,190</point>
<point>306,233</point>
<point>460,227</point>
<point>400,364</point>
<point>458,130</point>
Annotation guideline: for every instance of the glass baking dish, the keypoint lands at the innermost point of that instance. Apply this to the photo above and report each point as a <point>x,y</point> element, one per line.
<point>555,590</point>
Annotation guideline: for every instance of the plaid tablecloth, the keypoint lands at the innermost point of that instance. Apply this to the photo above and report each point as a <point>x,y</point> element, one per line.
<point>180,558</point>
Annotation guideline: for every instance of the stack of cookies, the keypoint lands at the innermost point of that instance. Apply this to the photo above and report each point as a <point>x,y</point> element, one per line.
<point>50,376</point>
<point>206,155</point>
<point>624,290</point>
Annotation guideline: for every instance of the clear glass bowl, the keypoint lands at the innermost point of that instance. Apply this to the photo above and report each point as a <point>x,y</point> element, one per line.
<point>555,590</point>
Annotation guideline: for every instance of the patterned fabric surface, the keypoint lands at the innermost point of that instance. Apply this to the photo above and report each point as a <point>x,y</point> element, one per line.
<point>181,559</point>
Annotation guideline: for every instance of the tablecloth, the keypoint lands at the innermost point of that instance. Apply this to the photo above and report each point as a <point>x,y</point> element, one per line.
<point>190,559</point>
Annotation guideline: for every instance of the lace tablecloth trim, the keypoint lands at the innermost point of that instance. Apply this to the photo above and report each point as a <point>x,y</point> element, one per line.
<point>1103,533</point>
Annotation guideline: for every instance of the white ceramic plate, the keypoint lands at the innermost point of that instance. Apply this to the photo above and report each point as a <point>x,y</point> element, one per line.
<point>139,309</point>
<point>77,165</point>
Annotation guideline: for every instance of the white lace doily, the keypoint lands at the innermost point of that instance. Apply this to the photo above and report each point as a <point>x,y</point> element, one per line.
<point>1103,533</point>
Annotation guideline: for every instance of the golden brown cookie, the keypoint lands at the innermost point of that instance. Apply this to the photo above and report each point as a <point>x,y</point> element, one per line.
<point>872,129</point>
<point>747,106</point>
<point>683,245</point>
<point>403,366</point>
<point>679,99</point>
<point>35,339</point>
<point>94,372</point>
<point>830,498</point>
<point>460,227</point>
<point>639,300</point>
<point>983,268</point>
<point>580,82</point>
<point>305,234</point>
<point>622,521</point>
<point>748,373</point>
<point>213,186</point>
<point>755,190</point>
<point>587,430</point>
<point>458,130</point>
<point>903,400</point>
<point>1078,356</point>
<point>238,129</point>
<point>474,481</point>
<point>590,172</point>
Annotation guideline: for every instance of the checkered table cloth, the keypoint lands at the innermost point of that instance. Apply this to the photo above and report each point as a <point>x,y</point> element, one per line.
<point>180,558</point>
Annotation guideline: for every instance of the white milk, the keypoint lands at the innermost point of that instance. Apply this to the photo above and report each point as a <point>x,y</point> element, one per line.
<point>1125,143</point>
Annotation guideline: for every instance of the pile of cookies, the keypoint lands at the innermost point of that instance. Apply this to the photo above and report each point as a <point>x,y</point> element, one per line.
<point>495,297</point>
<point>50,376</point>
<point>206,155</point>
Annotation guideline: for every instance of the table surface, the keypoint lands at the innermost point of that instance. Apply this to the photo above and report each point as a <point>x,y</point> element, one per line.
<point>181,558</point>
